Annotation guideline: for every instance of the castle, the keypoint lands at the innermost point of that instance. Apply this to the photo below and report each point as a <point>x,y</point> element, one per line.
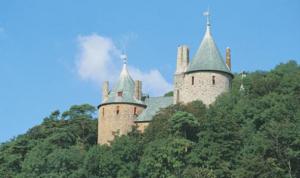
<point>204,78</point>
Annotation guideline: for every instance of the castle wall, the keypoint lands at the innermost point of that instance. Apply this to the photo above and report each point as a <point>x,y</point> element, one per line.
<point>203,87</point>
<point>111,123</point>
<point>178,86</point>
<point>141,126</point>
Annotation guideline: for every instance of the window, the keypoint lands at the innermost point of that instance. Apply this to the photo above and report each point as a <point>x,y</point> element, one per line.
<point>118,110</point>
<point>134,111</point>
<point>193,80</point>
<point>120,93</point>
<point>102,111</point>
<point>213,80</point>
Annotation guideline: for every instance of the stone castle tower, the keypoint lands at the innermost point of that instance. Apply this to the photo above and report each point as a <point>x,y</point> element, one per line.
<point>120,107</point>
<point>204,78</point>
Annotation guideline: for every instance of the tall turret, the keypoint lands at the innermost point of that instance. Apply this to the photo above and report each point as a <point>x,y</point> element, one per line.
<point>182,59</point>
<point>206,76</point>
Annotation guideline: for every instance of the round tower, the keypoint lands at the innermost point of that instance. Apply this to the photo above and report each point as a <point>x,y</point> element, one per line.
<point>207,76</point>
<point>120,107</point>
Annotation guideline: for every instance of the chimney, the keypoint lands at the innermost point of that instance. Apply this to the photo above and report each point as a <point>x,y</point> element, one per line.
<point>182,58</point>
<point>185,57</point>
<point>179,60</point>
<point>228,58</point>
<point>138,89</point>
<point>105,91</point>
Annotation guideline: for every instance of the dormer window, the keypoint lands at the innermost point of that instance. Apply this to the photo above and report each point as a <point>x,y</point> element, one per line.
<point>120,93</point>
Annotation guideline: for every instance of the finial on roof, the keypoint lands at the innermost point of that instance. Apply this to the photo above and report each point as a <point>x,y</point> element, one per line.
<point>207,14</point>
<point>124,71</point>
<point>124,58</point>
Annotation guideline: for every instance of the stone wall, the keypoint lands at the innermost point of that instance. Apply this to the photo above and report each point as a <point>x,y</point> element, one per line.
<point>178,85</point>
<point>141,126</point>
<point>111,123</point>
<point>203,88</point>
<point>182,59</point>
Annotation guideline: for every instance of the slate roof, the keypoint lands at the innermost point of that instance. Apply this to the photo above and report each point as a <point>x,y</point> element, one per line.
<point>154,104</point>
<point>208,56</point>
<point>125,85</point>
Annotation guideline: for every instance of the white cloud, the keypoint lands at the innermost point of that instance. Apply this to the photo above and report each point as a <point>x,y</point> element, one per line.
<point>98,60</point>
<point>153,81</point>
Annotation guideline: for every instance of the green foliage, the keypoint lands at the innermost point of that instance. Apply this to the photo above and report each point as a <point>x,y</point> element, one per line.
<point>184,124</point>
<point>99,162</point>
<point>55,148</point>
<point>198,172</point>
<point>164,158</point>
<point>170,93</point>
<point>255,133</point>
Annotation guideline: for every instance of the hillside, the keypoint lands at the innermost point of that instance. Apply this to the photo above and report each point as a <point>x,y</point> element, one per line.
<point>250,133</point>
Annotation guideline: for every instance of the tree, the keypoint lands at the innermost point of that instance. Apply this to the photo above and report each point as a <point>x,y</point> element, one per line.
<point>164,158</point>
<point>185,125</point>
<point>170,93</point>
<point>100,162</point>
<point>198,172</point>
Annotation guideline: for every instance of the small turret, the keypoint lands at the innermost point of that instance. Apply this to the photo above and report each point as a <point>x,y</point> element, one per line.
<point>105,91</point>
<point>138,89</point>
<point>182,58</point>
<point>121,106</point>
<point>228,58</point>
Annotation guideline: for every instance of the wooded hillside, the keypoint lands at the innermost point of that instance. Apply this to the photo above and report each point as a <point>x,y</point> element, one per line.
<point>245,134</point>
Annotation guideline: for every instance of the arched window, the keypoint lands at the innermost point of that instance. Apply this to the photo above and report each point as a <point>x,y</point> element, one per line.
<point>102,111</point>
<point>134,111</point>
<point>213,80</point>
<point>118,110</point>
<point>193,80</point>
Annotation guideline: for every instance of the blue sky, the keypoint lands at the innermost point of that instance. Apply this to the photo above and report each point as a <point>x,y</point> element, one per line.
<point>51,51</point>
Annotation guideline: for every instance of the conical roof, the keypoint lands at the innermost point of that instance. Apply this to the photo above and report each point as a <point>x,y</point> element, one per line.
<point>208,56</point>
<point>123,91</point>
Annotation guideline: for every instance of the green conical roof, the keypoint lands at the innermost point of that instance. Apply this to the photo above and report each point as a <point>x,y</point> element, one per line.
<point>125,85</point>
<point>208,56</point>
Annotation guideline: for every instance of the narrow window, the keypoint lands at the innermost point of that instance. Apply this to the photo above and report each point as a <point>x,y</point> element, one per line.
<point>120,93</point>
<point>118,110</point>
<point>177,96</point>
<point>213,80</point>
<point>134,111</point>
<point>102,111</point>
<point>193,80</point>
